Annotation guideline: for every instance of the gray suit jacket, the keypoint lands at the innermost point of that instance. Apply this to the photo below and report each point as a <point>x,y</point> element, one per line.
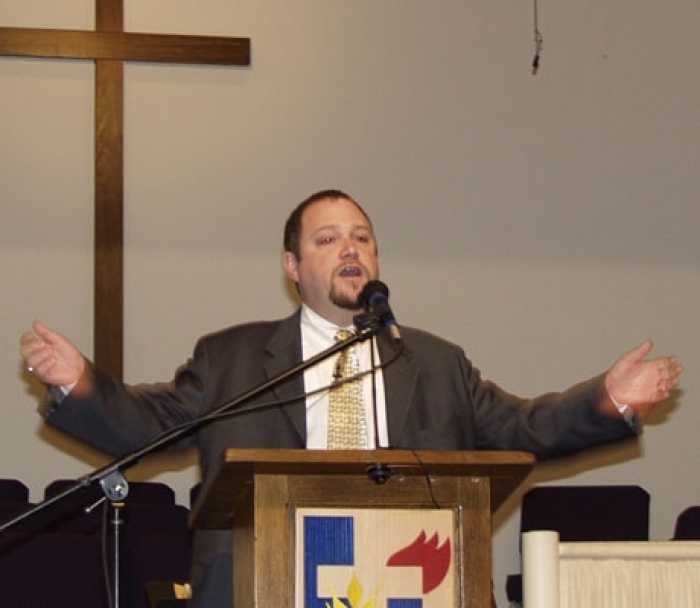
<point>435,399</point>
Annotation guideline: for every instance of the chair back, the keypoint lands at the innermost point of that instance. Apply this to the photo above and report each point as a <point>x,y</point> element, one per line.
<point>688,524</point>
<point>587,513</point>
<point>583,513</point>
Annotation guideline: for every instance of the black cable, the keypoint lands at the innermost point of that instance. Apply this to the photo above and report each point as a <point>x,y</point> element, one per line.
<point>429,482</point>
<point>538,41</point>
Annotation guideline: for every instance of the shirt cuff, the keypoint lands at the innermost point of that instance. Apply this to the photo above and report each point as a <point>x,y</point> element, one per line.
<point>627,414</point>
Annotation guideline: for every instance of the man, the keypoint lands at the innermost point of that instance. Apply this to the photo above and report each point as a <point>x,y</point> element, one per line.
<point>428,397</point>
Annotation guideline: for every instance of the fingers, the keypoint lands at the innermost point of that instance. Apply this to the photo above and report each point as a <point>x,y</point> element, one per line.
<point>42,339</point>
<point>31,340</point>
<point>38,351</point>
<point>669,374</point>
<point>669,368</point>
<point>45,333</point>
<point>675,368</point>
<point>38,356</point>
<point>666,373</point>
<point>30,345</point>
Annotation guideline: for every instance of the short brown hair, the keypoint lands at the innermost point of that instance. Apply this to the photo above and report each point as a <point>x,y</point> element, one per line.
<point>292,228</point>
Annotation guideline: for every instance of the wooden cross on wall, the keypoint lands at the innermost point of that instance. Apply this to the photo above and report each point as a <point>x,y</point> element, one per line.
<point>109,46</point>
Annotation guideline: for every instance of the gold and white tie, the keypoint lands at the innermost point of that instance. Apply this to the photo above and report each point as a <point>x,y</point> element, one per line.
<point>347,427</point>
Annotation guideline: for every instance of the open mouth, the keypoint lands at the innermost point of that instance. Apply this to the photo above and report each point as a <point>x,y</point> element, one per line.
<point>351,272</point>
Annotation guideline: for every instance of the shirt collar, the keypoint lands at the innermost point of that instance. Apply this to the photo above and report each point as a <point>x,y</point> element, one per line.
<point>312,321</point>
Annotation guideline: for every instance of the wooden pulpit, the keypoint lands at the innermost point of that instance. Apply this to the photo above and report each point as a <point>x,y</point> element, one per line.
<point>259,494</point>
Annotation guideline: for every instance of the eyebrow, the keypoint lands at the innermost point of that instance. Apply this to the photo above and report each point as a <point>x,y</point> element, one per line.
<point>336,228</point>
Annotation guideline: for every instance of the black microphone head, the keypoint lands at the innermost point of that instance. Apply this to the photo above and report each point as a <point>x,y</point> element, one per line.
<point>374,298</point>
<point>370,292</point>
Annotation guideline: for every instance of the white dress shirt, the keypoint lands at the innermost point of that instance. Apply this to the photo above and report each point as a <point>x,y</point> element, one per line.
<point>317,334</point>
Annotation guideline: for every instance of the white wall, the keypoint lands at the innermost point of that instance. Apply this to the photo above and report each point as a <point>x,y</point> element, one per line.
<point>546,223</point>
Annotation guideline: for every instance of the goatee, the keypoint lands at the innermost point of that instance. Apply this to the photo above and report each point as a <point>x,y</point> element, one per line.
<point>342,300</point>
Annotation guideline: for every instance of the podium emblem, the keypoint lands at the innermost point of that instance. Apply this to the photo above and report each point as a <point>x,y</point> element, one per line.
<point>374,558</point>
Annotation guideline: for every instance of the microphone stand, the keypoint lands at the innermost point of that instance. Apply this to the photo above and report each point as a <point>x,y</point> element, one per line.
<point>115,486</point>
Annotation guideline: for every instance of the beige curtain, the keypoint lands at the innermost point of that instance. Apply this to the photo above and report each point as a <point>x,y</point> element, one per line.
<point>664,574</point>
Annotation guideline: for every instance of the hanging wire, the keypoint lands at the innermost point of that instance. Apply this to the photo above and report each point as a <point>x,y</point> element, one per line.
<point>538,41</point>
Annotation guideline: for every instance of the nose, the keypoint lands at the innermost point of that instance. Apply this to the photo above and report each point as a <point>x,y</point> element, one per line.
<point>348,249</point>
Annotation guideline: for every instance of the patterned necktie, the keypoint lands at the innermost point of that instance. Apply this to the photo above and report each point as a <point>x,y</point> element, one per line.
<point>347,427</point>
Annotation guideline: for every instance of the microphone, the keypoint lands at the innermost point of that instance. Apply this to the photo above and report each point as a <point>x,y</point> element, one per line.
<point>374,298</point>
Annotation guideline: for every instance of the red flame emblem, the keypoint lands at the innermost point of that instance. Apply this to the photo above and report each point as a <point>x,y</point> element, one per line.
<point>434,561</point>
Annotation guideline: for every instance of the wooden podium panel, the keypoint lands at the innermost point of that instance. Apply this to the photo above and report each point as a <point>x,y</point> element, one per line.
<point>256,492</point>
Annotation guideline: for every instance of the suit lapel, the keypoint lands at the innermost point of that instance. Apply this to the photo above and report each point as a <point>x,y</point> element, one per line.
<point>399,386</point>
<point>283,352</point>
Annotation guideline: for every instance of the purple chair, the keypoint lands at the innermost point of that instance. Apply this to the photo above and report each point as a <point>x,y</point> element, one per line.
<point>62,556</point>
<point>583,513</point>
<point>688,524</point>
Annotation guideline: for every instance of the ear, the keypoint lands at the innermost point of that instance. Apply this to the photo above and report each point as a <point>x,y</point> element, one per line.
<point>291,266</point>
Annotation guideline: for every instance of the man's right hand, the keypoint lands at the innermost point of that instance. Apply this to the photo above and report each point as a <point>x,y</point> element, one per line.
<point>51,357</point>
